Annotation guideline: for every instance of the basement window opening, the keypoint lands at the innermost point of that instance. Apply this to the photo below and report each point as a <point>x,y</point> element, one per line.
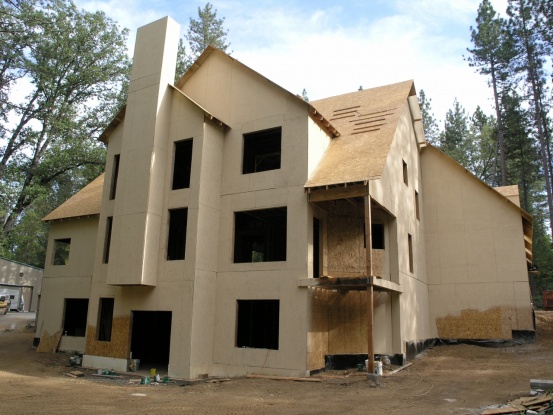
<point>260,235</point>
<point>176,245</point>
<point>105,319</point>
<point>257,324</point>
<point>74,320</point>
<point>182,164</point>
<point>61,251</point>
<point>262,151</point>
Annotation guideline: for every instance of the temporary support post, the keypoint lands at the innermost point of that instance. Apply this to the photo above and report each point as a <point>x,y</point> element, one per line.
<point>369,274</point>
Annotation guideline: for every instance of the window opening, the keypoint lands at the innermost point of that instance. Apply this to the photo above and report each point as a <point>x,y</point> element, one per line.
<point>410,242</point>
<point>260,235</point>
<point>107,239</point>
<point>74,321</point>
<point>316,248</point>
<point>258,324</point>
<point>417,211</point>
<point>405,175</point>
<point>61,251</point>
<point>114,176</point>
<point>262,151</point>
<point>182,164</point>
<point>105,319</point>
<point>176,246</point>
<point>377,234</point>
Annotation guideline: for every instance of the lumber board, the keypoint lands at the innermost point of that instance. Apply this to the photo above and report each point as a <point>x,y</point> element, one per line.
<point>541,384</point>
<point>283,378</point>
<point>393,372</point>
<point>511,409</point>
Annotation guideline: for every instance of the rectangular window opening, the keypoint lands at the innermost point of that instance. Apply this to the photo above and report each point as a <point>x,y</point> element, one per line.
<point>182,164</point>
<point>405,175</point>
<point>410,242</point>
<point>377,234</point>
<point>105,319</point>
<point>262,151</point>
<point>176,245</point>
<point>417,211</point>
<point>74,320</point>
<point>114,176</point>
<point>260,235</point>
<point>61,251</point>
<point>107,239</point>
<point>257,324</point>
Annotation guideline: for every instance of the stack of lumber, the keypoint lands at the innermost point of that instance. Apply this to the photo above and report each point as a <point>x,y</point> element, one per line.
<point>531,405</point>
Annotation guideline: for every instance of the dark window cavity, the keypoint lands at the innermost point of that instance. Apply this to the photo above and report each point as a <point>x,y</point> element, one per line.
<point>260,235</point>
<point>417,211</point>
<point>182,164</point>
<point>262,151</point>
<point>377,230</point>
<point>61,251</point>
<point>405,173</point>
<point>107,239</point>
<point>258,324</point>
<point>105,319</point>
<point>74,321</point>
<point>176,246</point>
<point>114,176</point>
<point>410,243</point>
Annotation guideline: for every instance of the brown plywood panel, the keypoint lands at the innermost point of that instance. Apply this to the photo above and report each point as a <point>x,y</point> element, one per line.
<point>118,347</point>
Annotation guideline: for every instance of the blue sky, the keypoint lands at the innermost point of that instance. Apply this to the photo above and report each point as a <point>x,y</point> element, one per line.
<point>330,48</point>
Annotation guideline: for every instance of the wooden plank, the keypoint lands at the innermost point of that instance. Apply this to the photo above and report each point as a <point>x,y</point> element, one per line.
<point>511,409</point>
<point>397,370</point>
<point>283,378</point>
<point>77,373</point>
<point>335,193</point>
<point>541,384</point>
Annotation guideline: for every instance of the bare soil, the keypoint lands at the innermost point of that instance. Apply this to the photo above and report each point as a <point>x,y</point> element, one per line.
<point>458,379</point>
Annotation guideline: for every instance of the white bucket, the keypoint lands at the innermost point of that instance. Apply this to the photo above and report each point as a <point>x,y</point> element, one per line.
<point>377,367</point>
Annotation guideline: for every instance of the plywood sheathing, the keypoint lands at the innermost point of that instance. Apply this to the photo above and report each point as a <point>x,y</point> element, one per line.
<point>84,203</point>
<point>118,347</point>
<point>367,122</point>
<point>49,344</point>
<point>495,323</point>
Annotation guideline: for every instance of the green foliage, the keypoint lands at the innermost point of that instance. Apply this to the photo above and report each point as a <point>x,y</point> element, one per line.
<point>202,32</point>
<point>75,67</point>
<point>431,129</point>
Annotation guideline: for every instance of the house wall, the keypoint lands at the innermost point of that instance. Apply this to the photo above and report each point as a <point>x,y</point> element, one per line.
<point>477,276</point>
<point>21,275</point>
<point>69,281</point>
<point>407,313</point>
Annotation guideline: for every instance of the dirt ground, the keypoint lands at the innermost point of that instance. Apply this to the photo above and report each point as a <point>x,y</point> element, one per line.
<point>458,379</point>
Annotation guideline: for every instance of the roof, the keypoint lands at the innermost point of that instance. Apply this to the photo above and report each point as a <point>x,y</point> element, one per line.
<point>84,203</point>
<point>367,121</point>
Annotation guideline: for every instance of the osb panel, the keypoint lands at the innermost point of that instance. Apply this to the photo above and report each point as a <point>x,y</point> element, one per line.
<point>317,338</point>
<point>118,347</point>
<point>346,253</point>
<point>495,323</point>
<point>347,322</point>
<point>49,344</point>
<point>378,261</point>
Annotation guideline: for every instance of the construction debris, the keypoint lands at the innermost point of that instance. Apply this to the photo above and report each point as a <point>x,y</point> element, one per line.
<point>284,378</point>
<point>529,405</point>
<point>541,384</point>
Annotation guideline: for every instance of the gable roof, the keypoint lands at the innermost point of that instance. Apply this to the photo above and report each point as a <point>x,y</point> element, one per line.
<point>367,121</point>
<point>84,203</point>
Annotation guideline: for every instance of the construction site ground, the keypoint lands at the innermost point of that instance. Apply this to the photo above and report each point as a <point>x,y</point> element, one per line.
<point>453,379</point>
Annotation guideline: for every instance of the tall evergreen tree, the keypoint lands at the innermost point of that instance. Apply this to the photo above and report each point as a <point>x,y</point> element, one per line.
<point>529,61</point>
<point>431,129</point>
<point>491,54</point>
<point>202,32</point>
<point>455,135</point>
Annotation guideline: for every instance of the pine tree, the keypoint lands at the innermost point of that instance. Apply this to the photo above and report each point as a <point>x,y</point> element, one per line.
<point>431,129</point>
<point>455,136</point>
<point>202,32</point>
<point>491,54</point>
